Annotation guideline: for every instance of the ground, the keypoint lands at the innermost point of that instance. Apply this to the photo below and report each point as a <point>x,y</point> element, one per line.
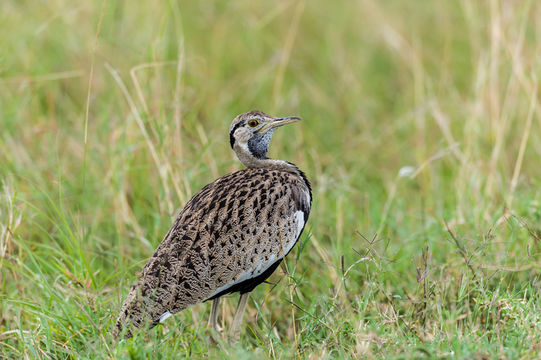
<point>421,135</point>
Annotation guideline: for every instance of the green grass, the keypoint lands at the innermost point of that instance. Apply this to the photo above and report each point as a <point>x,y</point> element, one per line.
<point>441,261</point>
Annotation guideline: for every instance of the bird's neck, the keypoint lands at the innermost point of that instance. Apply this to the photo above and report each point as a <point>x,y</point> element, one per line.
<point>250,161</point>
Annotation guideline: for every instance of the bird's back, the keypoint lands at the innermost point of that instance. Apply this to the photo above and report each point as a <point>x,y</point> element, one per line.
<point>229,237</point>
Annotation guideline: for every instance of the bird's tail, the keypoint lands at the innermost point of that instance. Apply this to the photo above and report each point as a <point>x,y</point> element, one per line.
<point>123,325</point>
<point>133,315</point>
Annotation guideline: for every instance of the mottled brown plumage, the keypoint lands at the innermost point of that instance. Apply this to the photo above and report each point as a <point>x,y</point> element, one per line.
<point>230,236</point>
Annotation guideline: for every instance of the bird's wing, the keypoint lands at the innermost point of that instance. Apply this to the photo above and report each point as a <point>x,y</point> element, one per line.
<point>252,242</point>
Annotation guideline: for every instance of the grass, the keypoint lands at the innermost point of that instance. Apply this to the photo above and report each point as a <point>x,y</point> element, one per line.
<point>421,136</point>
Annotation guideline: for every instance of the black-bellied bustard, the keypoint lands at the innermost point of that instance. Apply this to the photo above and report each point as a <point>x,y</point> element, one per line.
<point>229,237</point>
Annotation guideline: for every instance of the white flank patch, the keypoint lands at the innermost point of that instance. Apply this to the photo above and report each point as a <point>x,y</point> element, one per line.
<point>166,315</point>
<point>308,199</point>
<point>299,215</point>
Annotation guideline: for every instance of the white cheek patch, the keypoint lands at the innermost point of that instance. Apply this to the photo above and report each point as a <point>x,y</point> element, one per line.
<point>244,147</point>
<point>242,135</point>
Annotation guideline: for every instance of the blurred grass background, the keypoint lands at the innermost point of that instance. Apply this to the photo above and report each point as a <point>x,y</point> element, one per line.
<point>421,136</point>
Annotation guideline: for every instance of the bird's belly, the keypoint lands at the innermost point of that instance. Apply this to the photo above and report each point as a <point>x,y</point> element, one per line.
<point>246,257</point>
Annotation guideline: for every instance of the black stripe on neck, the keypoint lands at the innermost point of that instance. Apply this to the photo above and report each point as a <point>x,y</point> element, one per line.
<point>232,133</point>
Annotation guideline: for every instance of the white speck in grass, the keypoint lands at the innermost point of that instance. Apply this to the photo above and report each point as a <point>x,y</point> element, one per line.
<point>406,171</point>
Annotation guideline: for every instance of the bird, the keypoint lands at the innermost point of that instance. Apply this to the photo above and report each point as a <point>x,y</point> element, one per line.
<point>229,237</point>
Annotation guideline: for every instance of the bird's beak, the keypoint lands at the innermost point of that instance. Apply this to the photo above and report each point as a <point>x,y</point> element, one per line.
<point>277,122</point>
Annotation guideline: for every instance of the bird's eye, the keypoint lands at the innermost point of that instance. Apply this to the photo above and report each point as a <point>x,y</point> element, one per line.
<point>253,123</point>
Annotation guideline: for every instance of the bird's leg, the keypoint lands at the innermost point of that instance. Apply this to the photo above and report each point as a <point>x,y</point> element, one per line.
<point>234,331</point>
<point>213,319</point>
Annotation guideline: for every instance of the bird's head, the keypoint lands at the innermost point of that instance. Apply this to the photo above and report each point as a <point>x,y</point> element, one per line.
<point>250,134</point>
